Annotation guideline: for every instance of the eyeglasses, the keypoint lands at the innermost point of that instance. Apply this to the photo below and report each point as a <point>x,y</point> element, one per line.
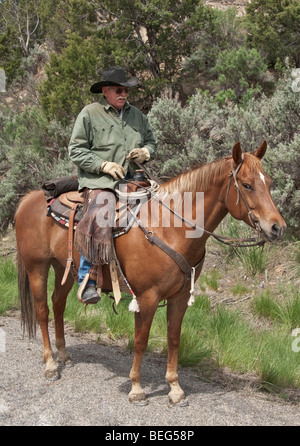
<point>119,90</point>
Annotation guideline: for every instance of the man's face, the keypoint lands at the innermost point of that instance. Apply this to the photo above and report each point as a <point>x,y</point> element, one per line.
<point>116,96</point>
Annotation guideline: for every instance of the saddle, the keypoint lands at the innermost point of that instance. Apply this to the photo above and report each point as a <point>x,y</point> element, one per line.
<point>69,198</point>
<point>66,209</point>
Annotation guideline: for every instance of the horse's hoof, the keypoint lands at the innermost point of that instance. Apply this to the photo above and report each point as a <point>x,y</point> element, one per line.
<point>65,362</point>
<point>64,358</point>
<point>51,375</point>
<point>140,403</point>
<point>183,403</point>
<point>138,399</point>
<point>178,399</point>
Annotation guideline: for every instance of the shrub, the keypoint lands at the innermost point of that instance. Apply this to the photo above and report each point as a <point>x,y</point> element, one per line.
<point>203,130</point>
<point>187,135</point>
<point>273,28</point>
<point>240,71</point>
<point>32,150</point>
<point>69,75</point>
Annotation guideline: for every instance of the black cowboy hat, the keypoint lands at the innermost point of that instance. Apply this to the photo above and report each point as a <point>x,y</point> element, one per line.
<point>114,76</point>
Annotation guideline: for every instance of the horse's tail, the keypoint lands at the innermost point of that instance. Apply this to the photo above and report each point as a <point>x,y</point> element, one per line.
<point>28,314</point>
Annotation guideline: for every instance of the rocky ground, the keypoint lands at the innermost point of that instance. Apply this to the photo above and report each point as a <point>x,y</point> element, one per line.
<point>93,391</point>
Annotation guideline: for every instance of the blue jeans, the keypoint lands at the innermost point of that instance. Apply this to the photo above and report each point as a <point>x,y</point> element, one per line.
<point>84,269</point>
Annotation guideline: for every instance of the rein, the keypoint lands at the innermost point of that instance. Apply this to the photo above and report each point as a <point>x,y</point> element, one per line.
<point>229,241</point>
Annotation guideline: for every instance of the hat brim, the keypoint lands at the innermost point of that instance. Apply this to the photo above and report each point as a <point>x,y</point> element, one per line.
<point>97,87</point>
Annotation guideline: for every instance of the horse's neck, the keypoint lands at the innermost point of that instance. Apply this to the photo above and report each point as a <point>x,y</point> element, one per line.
<point>206,209</point>
<point>211,188</point>
<point>208,218</point>
<point>214,208</point>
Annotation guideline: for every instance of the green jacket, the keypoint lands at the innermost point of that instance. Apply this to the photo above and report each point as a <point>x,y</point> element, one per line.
<point>100,134</point>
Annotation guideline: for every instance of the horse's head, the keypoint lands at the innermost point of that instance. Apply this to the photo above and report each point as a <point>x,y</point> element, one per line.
<point>248,195</point>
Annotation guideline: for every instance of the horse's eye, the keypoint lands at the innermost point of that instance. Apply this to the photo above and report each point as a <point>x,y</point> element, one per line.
<point>247,186</point>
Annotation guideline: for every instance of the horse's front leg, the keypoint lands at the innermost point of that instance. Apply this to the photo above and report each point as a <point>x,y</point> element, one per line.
<point>175,311</point>
<point>143,321</point>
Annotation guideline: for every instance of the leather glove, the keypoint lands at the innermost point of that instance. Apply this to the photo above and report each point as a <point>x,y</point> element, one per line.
<point>139,155</point>
<point>113,169</point>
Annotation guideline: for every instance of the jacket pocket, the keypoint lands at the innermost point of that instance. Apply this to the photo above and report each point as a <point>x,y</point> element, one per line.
<point>103,138</point>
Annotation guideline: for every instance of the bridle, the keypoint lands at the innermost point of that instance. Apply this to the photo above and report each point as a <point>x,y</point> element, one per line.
<point>233,175</point>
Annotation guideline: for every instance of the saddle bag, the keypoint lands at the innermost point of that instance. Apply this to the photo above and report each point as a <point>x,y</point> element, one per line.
<point>54,188</point>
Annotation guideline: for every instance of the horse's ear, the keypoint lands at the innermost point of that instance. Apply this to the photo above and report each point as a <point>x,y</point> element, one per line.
<point>260,152</point>
<point>237,153</point>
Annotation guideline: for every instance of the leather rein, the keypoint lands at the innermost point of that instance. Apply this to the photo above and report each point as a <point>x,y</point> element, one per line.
<point>235,242</point>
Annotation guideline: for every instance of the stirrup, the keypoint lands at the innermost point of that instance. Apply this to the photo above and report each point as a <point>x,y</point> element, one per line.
<point>90,295</point>
<point>82,288</point>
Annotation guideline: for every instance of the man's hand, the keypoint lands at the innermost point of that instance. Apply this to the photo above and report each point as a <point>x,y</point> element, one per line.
<point>113,169</point>
<point>139,155</point>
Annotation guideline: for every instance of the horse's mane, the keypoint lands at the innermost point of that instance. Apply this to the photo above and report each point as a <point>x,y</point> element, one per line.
<point>202,177</point>
<point>199,178</point>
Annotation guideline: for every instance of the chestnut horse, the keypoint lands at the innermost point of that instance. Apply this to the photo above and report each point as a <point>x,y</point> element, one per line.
<point>152,274</point>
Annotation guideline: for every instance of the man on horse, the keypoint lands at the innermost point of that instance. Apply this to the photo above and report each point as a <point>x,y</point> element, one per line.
<point>107,136</point>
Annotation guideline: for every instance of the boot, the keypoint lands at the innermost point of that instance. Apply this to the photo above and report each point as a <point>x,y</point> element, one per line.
<point>90,295</point>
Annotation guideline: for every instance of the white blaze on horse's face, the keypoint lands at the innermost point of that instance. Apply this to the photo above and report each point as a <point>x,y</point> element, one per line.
<point>262,177</point>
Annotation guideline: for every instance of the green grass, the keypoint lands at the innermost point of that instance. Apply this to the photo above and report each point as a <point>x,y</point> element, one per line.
<point>278,364</point>
<point>239,289</point>
<point>286,311</point>
<point>297,254</point>
<point>232,340</point>
<point>210,279</point>
<point>253,260</point>
<point>219,334</point>
<point>8,286</point>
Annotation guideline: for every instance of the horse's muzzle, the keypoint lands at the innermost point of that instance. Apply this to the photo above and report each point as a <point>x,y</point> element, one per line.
<point>273,232</point>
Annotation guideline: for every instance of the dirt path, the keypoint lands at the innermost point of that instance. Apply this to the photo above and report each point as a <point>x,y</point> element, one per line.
<point>94,390</point>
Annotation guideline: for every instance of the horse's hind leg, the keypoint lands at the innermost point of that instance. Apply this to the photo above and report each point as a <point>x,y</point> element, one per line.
<point>38,275</point>
<point>59,298</point>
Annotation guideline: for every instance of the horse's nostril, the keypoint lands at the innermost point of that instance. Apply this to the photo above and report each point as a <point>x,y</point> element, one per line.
<point>276,229</point>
